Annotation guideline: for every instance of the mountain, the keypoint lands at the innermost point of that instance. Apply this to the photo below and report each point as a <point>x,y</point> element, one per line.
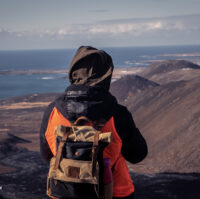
<point>130,85</point>
<point>172,70</point>
<point>169,118</point>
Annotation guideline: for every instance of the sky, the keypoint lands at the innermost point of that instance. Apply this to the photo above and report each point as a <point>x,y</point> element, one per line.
<point>54,24</point>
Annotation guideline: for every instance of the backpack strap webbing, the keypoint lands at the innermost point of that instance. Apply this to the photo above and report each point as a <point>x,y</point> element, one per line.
<point>94,152</point>
<point>60,147</point>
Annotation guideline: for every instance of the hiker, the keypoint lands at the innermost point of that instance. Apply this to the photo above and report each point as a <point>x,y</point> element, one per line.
<point>88,95</point>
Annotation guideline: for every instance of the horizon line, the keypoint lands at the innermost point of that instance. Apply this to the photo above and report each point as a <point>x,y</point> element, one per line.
<point>100,47</point>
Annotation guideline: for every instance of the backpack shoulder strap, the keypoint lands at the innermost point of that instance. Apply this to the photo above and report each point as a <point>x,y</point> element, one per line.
<point>94,152</point>
<point>61,145</point>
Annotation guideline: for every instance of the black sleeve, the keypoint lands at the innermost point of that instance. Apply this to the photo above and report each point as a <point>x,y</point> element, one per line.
<point>134,147</point>
<point>44,147</point>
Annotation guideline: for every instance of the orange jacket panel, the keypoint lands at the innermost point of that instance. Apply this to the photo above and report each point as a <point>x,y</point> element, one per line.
<point>122,183</point>
<point>55,119</point>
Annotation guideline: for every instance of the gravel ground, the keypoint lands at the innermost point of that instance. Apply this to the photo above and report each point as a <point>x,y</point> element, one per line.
<point>29,180</point>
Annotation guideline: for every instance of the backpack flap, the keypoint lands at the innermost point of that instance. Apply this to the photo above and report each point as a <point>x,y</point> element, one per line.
<point>83,134</point>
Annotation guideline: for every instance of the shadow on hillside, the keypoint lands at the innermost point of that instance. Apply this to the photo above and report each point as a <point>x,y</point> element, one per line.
<point>167,186</point>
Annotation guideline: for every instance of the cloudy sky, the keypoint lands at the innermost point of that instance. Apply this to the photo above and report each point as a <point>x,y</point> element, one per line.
<point>44,24</point>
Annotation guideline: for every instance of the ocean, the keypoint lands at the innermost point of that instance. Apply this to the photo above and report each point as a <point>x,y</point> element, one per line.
<point>36,71</point>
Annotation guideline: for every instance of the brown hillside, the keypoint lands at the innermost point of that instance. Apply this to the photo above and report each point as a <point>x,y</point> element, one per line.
<point>173,70</point>
<point>169,118</point>
<point>130,85</point>
<point>21,116</point>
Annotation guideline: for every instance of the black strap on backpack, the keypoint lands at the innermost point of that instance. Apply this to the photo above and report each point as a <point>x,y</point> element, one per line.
<point>60,147</point>
<point>94,152</point>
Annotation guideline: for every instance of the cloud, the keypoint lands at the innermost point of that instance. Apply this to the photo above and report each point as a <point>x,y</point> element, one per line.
<point>135,26</point>
<point>123,26</point>
<point>114,32</point>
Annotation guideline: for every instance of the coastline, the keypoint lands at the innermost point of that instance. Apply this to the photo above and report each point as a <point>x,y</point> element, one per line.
<point>23,82</point>
<point>117,73</point>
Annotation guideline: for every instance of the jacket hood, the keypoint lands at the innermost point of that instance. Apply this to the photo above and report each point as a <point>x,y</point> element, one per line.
<point>91,67</point>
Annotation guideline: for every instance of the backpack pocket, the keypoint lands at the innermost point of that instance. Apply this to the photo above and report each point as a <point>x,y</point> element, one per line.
<point>78,151</point>
<point>73,179</point>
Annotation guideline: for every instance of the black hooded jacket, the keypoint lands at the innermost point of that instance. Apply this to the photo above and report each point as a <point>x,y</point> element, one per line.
<point>88,96</point>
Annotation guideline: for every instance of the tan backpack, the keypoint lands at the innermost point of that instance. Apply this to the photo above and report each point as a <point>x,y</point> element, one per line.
<point>76,170</point>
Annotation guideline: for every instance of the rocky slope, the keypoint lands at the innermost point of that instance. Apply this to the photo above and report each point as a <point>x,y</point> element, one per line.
<point>130,85</point>
<point>22,116</point>
<point>28,179</point>
<point>172,70</point>
<point>169,118</point>
<point>23,172</point>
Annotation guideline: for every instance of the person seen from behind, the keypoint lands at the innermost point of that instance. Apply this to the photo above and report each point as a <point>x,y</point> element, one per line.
<point>88,95</point>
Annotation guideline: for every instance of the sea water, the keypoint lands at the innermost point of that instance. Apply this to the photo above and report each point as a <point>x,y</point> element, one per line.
<point>35,71</point>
